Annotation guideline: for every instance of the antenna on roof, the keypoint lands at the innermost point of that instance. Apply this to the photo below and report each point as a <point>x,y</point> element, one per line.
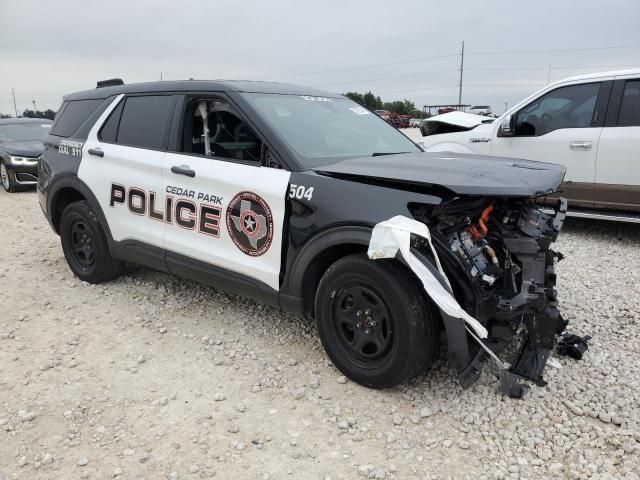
<point>112,82</point>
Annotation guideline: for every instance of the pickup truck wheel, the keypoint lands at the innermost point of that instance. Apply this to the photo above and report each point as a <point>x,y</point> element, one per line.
<point>7,178</point>
<point>85,245</point>
<point>373,321</point>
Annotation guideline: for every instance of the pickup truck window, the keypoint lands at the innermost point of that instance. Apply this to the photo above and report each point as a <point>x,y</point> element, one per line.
<point>564,107</point>
<point>630,108</point>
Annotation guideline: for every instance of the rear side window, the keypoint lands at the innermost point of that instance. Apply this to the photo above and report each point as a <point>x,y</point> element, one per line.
<point>109,131</point>
<point>630,108</point>
<point>73,115</point>
<point>143,121</point>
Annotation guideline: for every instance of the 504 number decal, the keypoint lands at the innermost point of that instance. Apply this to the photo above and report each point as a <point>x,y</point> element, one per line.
<point>300,191</point>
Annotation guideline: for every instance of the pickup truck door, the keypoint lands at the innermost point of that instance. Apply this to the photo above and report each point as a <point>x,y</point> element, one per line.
<point>618,162</point>
<point>561,126</point>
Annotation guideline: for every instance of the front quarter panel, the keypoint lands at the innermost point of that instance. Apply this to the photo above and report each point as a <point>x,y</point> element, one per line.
<point>476,141</point>
<point>336,204</point>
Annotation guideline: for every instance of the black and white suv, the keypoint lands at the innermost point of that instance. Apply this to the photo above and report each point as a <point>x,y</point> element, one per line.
<point>273,191</point>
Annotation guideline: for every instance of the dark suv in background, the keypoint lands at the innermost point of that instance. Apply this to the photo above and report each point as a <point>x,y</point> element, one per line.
<point>20,147</point>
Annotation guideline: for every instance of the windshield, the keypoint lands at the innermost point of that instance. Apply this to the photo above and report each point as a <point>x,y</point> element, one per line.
<point>322,130</point>
<point>20,132</point>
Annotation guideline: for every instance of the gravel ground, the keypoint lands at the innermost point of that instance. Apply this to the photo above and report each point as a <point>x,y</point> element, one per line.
<point>152,377</point>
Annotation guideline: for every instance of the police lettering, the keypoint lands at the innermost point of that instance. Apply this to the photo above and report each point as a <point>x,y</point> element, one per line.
<point>183,212</point>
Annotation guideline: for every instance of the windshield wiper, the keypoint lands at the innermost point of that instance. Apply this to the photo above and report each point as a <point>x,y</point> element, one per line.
<point>379,154</point>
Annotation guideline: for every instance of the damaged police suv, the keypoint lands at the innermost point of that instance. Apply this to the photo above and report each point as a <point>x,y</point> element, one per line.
<point>305,200</point>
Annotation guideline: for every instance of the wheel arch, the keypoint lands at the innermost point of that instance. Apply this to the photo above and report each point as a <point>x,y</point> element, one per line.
<point>314,258</point>
<point>69,189</point>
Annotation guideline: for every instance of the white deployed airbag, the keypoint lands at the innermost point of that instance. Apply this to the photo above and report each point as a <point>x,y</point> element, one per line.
<point>394,235</point>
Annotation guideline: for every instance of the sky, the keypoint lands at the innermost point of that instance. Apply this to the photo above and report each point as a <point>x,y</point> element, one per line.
<point>397,49</point>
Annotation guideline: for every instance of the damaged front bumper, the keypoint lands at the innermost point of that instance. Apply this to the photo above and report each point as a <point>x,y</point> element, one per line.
<point>488,266</point>
<point>528,313</point>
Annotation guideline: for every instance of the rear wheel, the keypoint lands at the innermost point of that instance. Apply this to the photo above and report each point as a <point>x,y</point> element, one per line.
<point>373,321</point>
<point>7,178</point>
<point>85,245</point>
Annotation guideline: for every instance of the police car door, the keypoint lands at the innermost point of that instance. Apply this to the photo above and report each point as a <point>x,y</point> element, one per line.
<point>229,210</point>
<point>122,164</point>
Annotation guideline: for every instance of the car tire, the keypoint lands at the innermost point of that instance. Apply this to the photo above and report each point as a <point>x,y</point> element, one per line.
<point>7,178</point>
<point>374,322</point>
<point>85,245</point>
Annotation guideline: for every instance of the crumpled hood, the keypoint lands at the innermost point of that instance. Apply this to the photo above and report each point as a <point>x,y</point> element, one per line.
<point>27,148</point>
<point>461,119</point>
<point>460,173</point>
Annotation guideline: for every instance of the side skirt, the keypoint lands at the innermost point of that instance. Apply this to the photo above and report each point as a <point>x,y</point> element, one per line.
<point>157,258</point>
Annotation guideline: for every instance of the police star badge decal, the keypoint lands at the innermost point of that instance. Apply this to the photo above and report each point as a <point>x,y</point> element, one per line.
<point>250,223</point>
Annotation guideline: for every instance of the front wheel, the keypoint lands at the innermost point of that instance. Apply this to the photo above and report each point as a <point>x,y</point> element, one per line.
<point>7,178</point>
<point>373,321</point>
<point>85,245</point>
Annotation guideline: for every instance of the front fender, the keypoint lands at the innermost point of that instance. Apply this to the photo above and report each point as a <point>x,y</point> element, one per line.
<point>448,147</point>
<point>298,288</point>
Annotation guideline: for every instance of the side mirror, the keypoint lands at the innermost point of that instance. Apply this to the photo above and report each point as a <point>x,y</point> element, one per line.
<point>507,129</point>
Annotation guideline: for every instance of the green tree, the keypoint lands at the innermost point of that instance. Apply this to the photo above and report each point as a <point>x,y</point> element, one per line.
<point>356,97</point>
<point>50,114</point>
<point>373,102</point>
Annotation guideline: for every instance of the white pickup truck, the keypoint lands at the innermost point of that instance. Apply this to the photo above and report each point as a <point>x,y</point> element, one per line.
<point>589,123</point>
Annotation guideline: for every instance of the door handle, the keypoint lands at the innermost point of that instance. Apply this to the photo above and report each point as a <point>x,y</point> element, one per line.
<point>96,151</point>
<point>183,170</point>
<point>582,146</point>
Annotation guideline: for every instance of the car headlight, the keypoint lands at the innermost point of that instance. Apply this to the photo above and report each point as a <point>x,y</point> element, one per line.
<point>23,160</point>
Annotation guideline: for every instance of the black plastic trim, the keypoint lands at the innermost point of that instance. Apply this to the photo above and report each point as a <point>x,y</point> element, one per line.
<point>220,278</point>
<point>615,100</point>
<point>602,102</point>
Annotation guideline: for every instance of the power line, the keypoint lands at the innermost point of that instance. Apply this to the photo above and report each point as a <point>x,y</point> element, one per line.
<point>426,74</point>
<point>559,50</point>
<point>361,67</point>
<point>426,59</point>
<point>418,89</point>
<point>567,67</point>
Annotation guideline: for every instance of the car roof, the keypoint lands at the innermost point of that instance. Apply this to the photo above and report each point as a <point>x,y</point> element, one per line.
<point>596,75</point>
<point>201,86</point>
<point>9,121</point>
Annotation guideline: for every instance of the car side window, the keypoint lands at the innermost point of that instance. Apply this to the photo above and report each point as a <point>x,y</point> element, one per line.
<point>213,128</point>
<point>72,115</point>
<point>629,115</point>
<point>565,107</point>
<point>143,121</point>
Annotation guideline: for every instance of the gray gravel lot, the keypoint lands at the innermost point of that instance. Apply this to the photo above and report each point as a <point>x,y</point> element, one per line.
<point>151,376</point>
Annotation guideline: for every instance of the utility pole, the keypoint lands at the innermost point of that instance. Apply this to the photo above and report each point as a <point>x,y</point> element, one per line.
<point>549,75</point>
<point>506,105</point>
<point>160,76</point>
<point>461,70</point>
<point>35,108</point>
<point>15,108</point>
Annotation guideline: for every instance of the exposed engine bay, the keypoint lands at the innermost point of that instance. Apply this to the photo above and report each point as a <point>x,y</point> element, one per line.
<point>497,256</point>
